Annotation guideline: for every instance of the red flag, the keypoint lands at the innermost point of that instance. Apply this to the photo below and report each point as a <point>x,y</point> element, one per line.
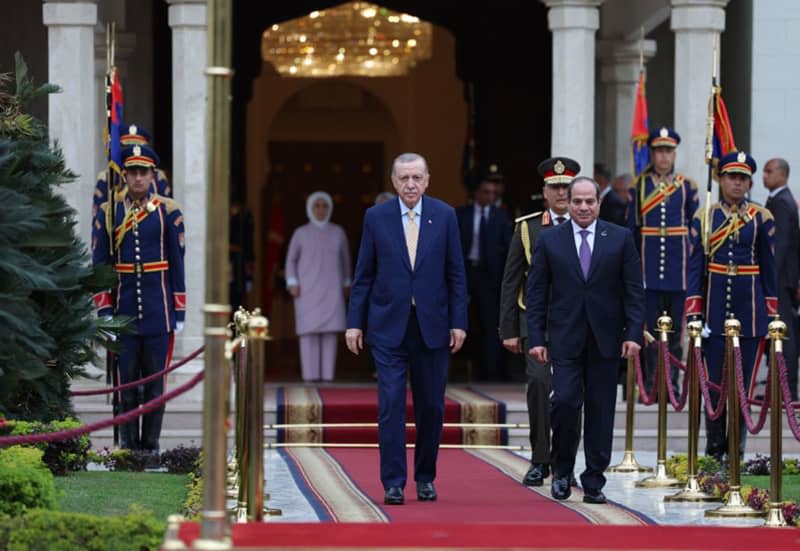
<point>723,133</point>
<point>640,153</point>
<point>276,237</point>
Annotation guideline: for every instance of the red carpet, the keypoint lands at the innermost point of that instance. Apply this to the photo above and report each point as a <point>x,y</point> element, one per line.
<point>307,405</point>
<point>342,485</point>
<point>481,535</point>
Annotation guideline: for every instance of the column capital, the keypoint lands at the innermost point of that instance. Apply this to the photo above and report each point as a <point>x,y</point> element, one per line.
<point>60,13</point>
<point>187,13</point>
<point>573,14</point>
<point>619,59</point>
<point>698,15</point>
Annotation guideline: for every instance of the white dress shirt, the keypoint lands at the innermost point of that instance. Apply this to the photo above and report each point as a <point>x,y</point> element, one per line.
<point>576,230</point>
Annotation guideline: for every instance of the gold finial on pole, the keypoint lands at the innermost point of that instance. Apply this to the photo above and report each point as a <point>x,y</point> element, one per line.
<point>661,479</point>
<point>775,518</point>
<point>692,491</point>
<point>734,506</point>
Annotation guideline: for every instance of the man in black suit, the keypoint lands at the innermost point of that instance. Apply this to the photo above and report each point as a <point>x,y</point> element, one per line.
<point>783,207</point>
<point>585,309</point>
<point>485,234</point>
<point>612,206</point>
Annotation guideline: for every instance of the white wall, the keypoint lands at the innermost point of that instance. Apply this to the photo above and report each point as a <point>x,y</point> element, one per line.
<point>775,88</point>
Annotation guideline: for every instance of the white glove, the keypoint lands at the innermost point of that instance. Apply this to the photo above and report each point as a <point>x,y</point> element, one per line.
<point>706,332</point>
<point>111,336</point>
<point>178,327</point>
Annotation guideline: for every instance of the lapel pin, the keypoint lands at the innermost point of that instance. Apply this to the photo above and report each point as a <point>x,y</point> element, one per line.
<point>430,221</point>
<point>604,233</point>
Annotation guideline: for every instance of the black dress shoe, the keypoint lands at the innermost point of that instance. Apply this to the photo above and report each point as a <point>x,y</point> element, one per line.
<point>393,496</point>
<point>594,496</point>
<point>536,475</point>
<point>560,488</point>
<point>572,481</point>
<point>426,491</point>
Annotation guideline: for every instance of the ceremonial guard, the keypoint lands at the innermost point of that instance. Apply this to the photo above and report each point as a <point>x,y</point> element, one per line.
<point>147,253</point>
<point>557,173</point>
<point>732,276</point>
<point>664,203</point>
<point>135,136</point>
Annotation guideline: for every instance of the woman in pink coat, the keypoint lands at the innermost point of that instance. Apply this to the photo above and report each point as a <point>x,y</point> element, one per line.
<point>318,274</point>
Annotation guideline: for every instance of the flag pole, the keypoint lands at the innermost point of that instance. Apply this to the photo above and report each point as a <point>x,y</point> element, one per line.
<point>710,147</point>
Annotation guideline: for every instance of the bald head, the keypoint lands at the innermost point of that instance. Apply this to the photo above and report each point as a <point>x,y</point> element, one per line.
<point>776,173</point>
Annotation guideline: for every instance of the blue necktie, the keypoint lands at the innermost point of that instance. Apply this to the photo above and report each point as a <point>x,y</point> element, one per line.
<point>585,254</point>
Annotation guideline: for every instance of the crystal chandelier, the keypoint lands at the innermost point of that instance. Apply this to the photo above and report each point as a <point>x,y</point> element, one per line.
<point>355,38</point>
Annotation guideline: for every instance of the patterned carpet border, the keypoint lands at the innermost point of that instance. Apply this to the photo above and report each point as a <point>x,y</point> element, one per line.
<point>299,405</point>
<point>329,489</point>
<point>515,467</point>
<point>476,407</point>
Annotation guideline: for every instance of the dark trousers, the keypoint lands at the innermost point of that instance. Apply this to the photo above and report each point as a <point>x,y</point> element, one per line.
<point>484,297</point>
<point>140,357</point>
<point>586,380</point>
<point>537,394</point>
<point>787,312</point>
<point>714,349</point>
<point>656,303</point>
<point>428,380</point>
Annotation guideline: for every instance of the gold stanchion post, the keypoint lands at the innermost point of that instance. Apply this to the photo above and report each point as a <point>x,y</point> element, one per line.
<point>735,505</point>
<point>629,463</point>
<point>775,518</point>
<point>237,484</point>
<point>214,525</point>
<point>661,479</point>
<point>692,491</point>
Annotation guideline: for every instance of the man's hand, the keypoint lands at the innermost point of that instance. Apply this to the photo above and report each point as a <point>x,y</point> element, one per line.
<point>630,349</point>
<point>294,290</point>
<point>354,338</point>
<point>540,354</point>
<point>513,345</point>
<point>457,337</point>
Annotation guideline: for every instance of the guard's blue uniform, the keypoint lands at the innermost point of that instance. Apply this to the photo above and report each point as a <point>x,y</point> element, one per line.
<point>737,278</point>
<point>660,215</point>
<point>149,261</point>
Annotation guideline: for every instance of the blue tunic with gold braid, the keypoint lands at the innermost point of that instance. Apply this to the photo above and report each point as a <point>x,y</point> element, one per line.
<point>149,246</point>
<point>662,212</point>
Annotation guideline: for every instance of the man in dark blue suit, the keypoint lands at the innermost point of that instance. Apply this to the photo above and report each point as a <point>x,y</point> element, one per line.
<point>409,293</point>
<point>485,236</point>
<point>585,300</point>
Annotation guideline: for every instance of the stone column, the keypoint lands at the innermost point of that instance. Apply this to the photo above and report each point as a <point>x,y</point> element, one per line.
<point>573,24</point>
<point>619,73</point>
<point>187,18</point>
<point>72,113</point>
<point>696,23</point>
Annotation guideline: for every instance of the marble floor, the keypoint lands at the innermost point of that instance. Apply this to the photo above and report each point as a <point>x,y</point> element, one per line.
<point>619,488</point>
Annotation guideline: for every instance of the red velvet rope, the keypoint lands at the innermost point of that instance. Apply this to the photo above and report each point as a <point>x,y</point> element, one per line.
<point>787,395</point>
<point>713,413</point>
<point>752,428</point>
<point>677,404</point>
<point>105,423</point>
<point>648,398</point>
<point>144,380</point>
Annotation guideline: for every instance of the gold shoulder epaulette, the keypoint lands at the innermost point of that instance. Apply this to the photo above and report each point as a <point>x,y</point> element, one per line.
<point>528,216</point>
<point>170,204</point>
<point>161,175</point>
<point>102,175</point>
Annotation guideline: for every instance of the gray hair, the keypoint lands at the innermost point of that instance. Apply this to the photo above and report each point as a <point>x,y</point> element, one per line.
<point>404,158</point>
<point>578,179</point>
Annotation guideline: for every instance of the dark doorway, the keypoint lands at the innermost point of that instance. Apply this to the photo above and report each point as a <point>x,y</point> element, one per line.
<point>353,174</point>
